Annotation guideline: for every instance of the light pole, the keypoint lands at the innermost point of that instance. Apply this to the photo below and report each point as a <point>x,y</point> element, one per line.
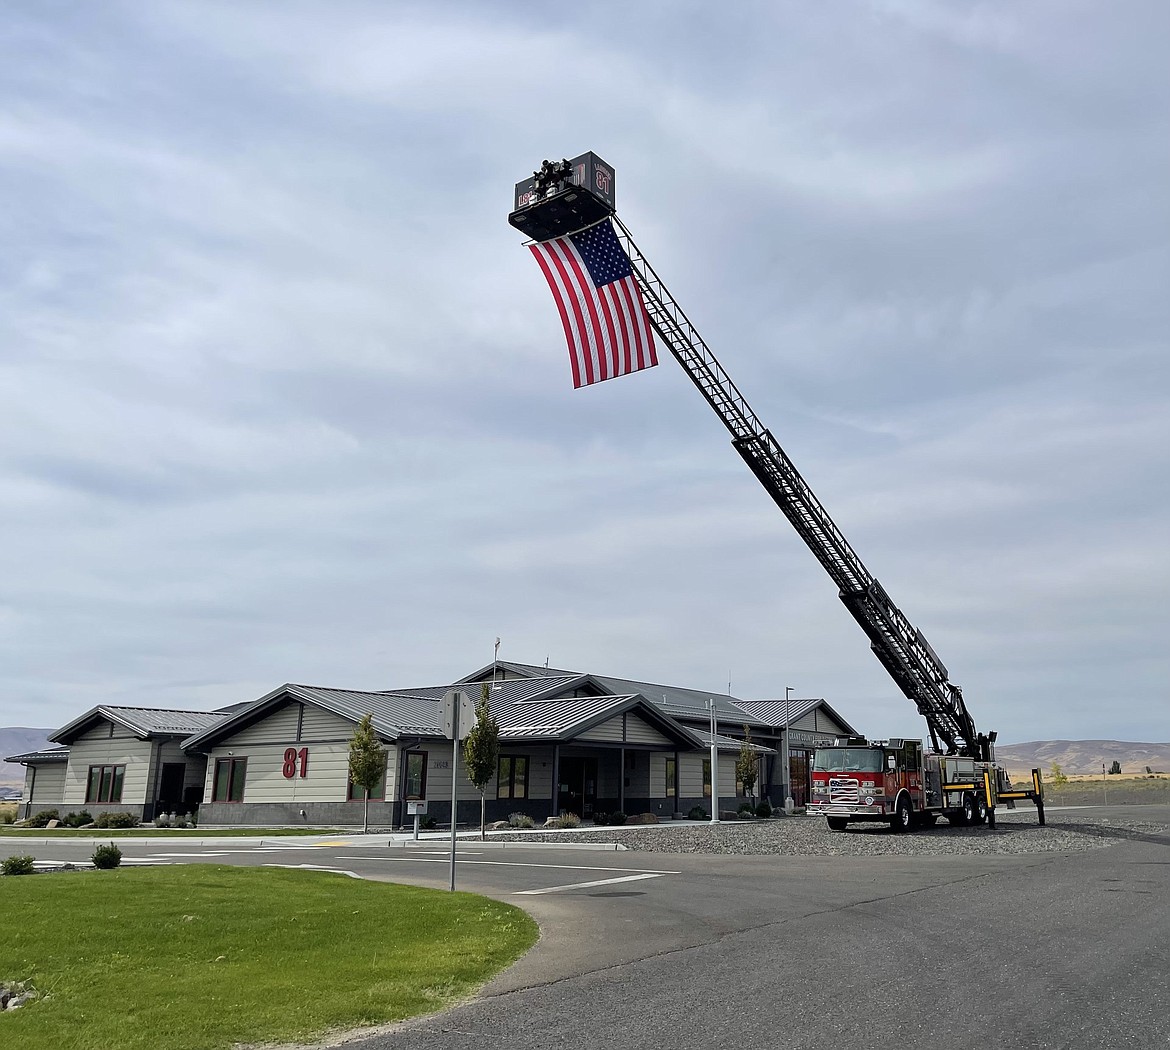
<point>714,763</point>
<point>789,802</point>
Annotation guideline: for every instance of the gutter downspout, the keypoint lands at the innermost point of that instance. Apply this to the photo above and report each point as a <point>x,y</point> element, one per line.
<point>556,784</point>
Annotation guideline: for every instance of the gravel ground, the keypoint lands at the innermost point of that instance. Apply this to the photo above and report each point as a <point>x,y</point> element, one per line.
<point>1015,833</point>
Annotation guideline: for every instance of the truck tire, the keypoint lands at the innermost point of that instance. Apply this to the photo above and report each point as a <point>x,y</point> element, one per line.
<point>903,816</point>
<point>980,811</point>
<point>837,823</point>
<point>967,814</point>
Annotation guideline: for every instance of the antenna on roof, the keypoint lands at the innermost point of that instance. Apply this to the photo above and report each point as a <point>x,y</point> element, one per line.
<point>495,663</point>
<point>546,661</point>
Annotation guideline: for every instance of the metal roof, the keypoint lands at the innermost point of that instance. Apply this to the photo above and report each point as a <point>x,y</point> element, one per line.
<point>528,701</point>
<point>773,712</point>
<point>142,721</point>
<point>678,702</point>
<point>778,712</point>
<point>729,743</point>
<point>52,754</point>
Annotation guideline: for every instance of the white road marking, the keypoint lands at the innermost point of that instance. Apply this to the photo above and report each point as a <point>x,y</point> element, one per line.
<point>503,864</point>
<point>315,867</point>
<point>208,853</point>
<point>599,882</point>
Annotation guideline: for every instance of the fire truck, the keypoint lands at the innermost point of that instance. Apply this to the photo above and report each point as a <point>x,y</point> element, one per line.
<point>897,781</point>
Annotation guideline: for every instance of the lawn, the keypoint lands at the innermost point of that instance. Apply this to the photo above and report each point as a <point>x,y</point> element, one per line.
<point>198,957</point>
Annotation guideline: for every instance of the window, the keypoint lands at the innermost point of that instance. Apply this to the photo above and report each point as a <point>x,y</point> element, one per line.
<point>671,786</point>
<point>414,784</point>
<point>228,785</point>
<point>353,793</point>
<point>105,784</point>
<point>706,778</point>
<point>512,779</point>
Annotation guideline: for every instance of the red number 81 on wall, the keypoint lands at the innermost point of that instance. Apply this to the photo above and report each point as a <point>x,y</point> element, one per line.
<point>291,755</point>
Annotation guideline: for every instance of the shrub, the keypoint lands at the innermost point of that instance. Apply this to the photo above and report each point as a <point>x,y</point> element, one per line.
<point>41,819</point>
<point>427,823</point>
<point>569,820</point>
<point>698,813</point>
<point>21,864</point>
<point>107,856</point>
<point>520,820</point>
<point>617,818</point>
<point>7,814</point>
<point>77,820</point>
<point>745,811</point>
<point>764,809</point>
<point>115,820</point>
<point>600,819</point>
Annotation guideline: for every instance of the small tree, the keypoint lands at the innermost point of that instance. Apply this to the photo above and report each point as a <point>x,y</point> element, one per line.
<point>746,764</point>
<point>367,763</point>
<point>1058,774</point>
<point>481,753</point>
<point>1116,767</point>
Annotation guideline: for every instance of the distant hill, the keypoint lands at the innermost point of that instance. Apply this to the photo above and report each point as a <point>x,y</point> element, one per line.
<point>19,741</point>
<point>1084,756</point>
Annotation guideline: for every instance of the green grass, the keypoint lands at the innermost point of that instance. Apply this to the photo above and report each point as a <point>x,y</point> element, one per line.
<point>198,957</point>
<point>150,830</point>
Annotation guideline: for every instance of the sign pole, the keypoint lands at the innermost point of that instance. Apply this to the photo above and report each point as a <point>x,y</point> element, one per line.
<point>454,787</point>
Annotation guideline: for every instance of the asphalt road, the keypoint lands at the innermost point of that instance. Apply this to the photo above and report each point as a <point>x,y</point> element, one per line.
<point>1055,950</point>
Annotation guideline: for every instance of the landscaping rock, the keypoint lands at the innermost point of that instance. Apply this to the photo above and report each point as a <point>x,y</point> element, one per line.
<point>53,824</point>
<point>643,818</point>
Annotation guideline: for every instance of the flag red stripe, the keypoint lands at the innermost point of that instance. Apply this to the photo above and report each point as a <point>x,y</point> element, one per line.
<point>614,296</point>
<point>557,249</point>
<point>597,333</point>
<point>644,340</point>
<point>574,358</point>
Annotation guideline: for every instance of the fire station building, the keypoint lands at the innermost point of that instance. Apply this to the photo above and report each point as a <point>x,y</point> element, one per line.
<point>569,742</point>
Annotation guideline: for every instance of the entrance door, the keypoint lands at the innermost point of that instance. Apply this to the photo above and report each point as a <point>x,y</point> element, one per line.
<point>170,787</point>
<point>800,775</point>
<point>578,787</point>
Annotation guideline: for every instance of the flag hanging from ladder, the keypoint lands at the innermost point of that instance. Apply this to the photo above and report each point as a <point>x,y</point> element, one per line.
<point>605,320</point>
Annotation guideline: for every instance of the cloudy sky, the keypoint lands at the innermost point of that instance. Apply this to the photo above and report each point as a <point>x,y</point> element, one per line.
<point>285,399</point>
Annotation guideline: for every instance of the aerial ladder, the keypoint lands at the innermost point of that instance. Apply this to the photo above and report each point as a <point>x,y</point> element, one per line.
<point>565,197</point>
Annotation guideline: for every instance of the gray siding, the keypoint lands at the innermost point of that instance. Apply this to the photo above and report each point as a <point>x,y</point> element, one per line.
<point>278,727</point>
<point>44,785</point>
<point>98,748</point>
<point>638,731</point>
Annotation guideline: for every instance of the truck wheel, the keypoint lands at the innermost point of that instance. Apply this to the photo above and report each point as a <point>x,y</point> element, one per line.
<point>837,823</point>
<point>980,811</point>
<point>903,816</point>
<point>968,813</point>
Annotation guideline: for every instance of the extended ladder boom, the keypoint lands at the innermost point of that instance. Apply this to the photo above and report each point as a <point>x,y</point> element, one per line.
<point>898,644</point>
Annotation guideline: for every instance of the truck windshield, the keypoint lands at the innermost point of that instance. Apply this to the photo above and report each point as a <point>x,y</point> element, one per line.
<point>848,760</point>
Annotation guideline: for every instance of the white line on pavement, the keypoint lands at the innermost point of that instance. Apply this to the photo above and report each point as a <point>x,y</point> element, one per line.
<point>315,867</point>
<point>502,864</point>
<point>599,882</point>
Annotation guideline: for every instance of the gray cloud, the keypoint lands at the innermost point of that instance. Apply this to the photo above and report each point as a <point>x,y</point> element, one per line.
<point>286,400</point>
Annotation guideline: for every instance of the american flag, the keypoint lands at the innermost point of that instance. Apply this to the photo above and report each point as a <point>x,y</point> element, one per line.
<point>605,319</point>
